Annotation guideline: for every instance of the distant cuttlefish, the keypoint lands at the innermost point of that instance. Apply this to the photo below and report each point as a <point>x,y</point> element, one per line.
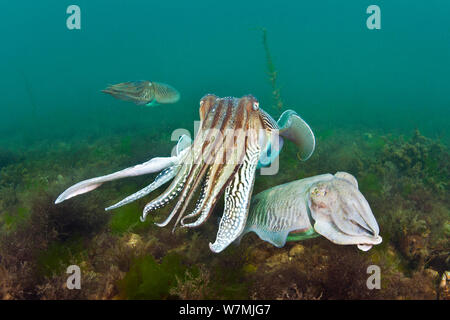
<point>144,92</point>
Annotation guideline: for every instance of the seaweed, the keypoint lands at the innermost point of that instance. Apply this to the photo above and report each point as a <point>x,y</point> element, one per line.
<point>272,73</point>
<point>148,279</point>
<point>404,178</point>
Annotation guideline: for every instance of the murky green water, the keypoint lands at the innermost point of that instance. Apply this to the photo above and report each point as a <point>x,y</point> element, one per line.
<point>331,67</point>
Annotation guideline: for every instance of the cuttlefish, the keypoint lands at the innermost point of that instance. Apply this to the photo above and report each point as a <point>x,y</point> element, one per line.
<point>327,205</point>
<point>144,92</point>
<point>235,138</point>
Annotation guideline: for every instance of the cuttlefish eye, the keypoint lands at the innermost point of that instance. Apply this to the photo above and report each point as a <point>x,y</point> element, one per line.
<point>255,105</point>
<point>319,192</point>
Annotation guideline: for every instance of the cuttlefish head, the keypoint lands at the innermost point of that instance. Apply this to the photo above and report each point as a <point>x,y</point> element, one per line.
<point>341,213</point>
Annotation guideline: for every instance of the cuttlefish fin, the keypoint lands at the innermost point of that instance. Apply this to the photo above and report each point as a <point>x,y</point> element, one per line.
<point>294,128</point>
<point>237,201</point>
<point>277,238</point>
<point>165,93</point>
<point>152,103</point>
<point>151,166</point>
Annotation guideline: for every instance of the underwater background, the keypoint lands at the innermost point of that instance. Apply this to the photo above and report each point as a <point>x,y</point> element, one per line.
<point>377,100</point>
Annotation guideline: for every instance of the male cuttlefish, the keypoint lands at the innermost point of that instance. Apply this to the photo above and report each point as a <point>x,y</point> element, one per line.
<point>235,138</point>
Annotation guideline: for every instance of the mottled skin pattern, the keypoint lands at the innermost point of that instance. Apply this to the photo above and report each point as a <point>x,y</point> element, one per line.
<point>233,139</point>
<point>327,205</point>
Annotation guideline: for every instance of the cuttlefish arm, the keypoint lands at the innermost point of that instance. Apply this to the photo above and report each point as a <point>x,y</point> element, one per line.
<point>237,201</point>
<point>165,176</point>
<point>295,129</point>
<point>151,166</point>
<point>292,127</point>
<point>326,205</point>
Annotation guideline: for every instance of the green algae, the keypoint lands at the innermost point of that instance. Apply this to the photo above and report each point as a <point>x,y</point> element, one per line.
<point>148,279</point>
<point>370,183</point>
<point>59,256</point>
<point>403,178</point>
<point>126,219</point>
<point>11,221</point>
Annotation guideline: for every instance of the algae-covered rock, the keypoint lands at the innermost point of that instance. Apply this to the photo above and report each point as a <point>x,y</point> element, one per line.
<point>134,240</point>
<point>277,259</point>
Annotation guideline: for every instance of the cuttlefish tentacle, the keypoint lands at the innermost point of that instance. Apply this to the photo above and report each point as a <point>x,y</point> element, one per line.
<point>182,148</point>
<point>172,191</point>
<point>180,180</point>
<point>203,144</point>
<point>200,199</point>
<point>151,166</point>
<point>221,177</point>
<point>210,156</point>
<point>260,137</point>
<point>165,176</point>
<point>223,169</point>
<point>237,201</point>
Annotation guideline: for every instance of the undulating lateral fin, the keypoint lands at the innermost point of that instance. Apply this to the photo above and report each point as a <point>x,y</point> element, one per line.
<point>165,93</point>
<point>152,103</point>
<point>278,239</point>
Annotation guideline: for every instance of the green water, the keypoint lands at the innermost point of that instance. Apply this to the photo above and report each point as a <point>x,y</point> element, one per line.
<point>331,68</point>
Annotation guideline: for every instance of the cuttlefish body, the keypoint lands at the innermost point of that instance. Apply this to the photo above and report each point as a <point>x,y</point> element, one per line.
<point>327,205</point>
<point>144,92</point>
<point>235,138</point>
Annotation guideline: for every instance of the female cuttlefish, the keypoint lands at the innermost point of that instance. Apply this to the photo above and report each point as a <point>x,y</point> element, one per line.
<point>327,205</point>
